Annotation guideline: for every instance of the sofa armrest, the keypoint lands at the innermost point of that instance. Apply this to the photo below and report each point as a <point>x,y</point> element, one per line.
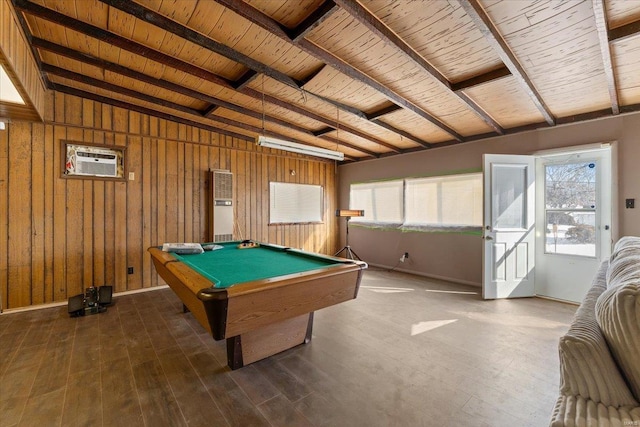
<point>587,367</point>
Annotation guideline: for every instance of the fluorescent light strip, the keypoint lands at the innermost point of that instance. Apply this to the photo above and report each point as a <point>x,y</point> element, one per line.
<point>266,141</point>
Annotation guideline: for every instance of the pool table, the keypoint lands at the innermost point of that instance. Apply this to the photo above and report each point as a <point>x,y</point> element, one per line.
<point>260,299</point>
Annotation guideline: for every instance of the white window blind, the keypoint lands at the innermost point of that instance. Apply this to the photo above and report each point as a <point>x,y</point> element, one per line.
<point>444,200</point>
<point>295,203</point>
<point>381,201</point>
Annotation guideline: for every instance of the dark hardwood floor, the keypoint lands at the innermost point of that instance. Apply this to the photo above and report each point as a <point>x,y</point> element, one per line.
<point>409,351</point>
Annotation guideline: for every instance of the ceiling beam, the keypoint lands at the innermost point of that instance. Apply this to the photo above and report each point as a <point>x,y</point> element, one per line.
<point>481,79</point>
<point>600,15</point>
<point>493,36</point>
<point>377,27</point>
<point>255,16</point>
<point>316,18</point>
<point>383,111</point>
<point>628,30</point>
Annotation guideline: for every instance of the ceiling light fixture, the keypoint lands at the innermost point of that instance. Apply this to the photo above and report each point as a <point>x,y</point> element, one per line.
<point>280,144</point>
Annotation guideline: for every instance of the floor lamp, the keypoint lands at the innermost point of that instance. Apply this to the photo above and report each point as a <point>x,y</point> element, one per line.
<point>348,213</point>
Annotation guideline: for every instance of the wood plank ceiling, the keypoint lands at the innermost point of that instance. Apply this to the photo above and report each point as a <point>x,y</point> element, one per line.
<point>369,78</point>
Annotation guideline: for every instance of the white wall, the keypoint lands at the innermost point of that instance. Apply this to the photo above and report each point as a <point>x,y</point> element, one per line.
<point>459,256</point>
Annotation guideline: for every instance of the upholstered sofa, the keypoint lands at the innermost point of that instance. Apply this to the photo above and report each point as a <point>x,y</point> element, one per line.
<point>600,354</point>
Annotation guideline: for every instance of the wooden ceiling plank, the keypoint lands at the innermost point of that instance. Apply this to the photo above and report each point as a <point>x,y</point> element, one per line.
<point>116,40</point>
<point>600,15</point>
<point>353,147</point>
<point>250,13</point>
<point>376,26</point>
<point>490,32</point>
<point>186,33</point>
<point>403,133</point>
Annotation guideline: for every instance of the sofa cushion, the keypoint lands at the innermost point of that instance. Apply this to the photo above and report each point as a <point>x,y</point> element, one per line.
<point>577,411</point>
<point>624,269</point>
<point>587,368</point>
<point>626,242</point>
<point>618,315</point>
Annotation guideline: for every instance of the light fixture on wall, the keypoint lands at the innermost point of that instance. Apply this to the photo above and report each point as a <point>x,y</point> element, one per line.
<point>280,144</point>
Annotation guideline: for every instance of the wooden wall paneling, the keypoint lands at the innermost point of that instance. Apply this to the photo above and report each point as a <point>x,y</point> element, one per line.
<point>147,221</point>
<point>109,206</point>
<point>180,208</point>
<point>4,216</point>
<point>188,193</point>
<point>88,252</point>
<point>120,236</point>
<point>59,205</point>
<point>198,165</point>
<point>19,230</point>
<point>255,170</point>
<point>161,190</point>
<point>262,188</point>
<point>51,166</point>
<point>153,186</point>
<point>37,167</point>
<point>171,201</point>
<point>135,211</point>
<point>99,213</point>
<point>74,205</point>
<point>271,176</point>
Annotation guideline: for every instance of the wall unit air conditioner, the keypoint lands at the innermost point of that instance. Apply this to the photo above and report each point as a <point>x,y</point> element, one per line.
<point>221,206</point>
<point>96,163</point>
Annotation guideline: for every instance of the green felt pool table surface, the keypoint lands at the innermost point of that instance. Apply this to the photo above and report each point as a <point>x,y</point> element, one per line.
<point>230,265</point>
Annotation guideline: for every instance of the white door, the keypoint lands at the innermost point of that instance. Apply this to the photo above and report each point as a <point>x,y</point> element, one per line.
<point>509,226</point>
<point>574,218</point>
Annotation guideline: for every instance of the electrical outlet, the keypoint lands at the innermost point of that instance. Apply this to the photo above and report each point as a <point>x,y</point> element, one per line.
<point>129,270</point>
<point>406,255</point>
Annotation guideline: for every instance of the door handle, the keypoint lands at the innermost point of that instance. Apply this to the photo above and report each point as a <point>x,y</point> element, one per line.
<point>488,238</point>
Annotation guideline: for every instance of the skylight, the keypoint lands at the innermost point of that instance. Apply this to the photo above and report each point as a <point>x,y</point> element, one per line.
<point>8,92</point>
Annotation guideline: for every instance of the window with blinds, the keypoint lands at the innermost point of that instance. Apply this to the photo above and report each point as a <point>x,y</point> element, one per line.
<point>381,201</point>
<point>444,200</point>
<point>295,203</point>
<point>451,202</point>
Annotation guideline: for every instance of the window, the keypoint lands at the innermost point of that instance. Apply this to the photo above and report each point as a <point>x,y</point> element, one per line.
<point>381,201</point>
<point>295,203</point>
<point>444,201</point>
<point>570,208</point>
<point>441,203</point>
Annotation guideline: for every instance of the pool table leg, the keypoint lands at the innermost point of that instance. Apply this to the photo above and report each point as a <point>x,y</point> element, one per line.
<point>258,344</point>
